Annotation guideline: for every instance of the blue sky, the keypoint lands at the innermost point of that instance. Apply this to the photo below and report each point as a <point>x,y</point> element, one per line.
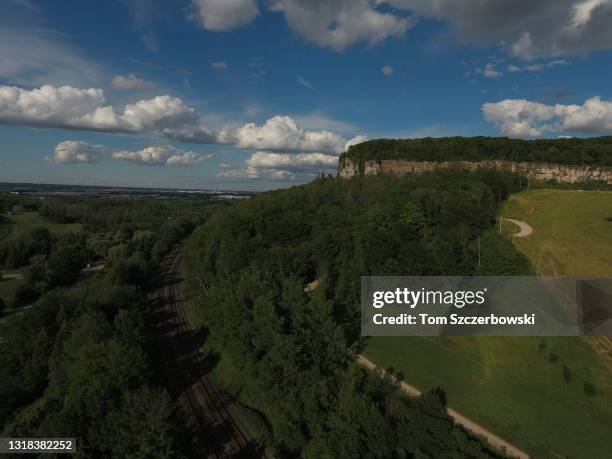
<point>253,95</point>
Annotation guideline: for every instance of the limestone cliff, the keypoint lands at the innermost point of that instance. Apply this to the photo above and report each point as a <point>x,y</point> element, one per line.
<point>538,171</point>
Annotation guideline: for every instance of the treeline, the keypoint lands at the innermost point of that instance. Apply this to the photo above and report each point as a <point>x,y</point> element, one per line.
<point>79,362</point>
<point>595,151</point>
<point>46,261</point>
<point>49,260</point>
<point>126,215</point>
<point>76,365</point>
<point>277,281</point>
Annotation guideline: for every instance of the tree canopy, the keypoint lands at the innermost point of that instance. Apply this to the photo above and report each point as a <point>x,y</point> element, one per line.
<point>277,281</point>
<point>594,151</point>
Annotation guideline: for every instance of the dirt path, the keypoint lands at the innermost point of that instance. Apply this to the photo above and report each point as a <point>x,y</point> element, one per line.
<point>459,419</point>
<point>525,228</point>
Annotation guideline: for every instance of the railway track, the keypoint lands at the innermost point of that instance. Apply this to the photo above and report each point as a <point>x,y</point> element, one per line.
<point>213,419</point>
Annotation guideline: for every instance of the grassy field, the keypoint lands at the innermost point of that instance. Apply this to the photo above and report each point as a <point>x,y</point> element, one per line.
<point>17,224</point>
<point>515,386</point>
<point>572,235</point>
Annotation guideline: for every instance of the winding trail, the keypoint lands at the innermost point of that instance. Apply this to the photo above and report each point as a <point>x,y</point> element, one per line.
<point>525,228</point>
<point>466,423</point>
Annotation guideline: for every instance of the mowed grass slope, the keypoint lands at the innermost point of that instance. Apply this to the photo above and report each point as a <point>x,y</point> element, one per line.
<point>515,386</point>
<point>571,230</point>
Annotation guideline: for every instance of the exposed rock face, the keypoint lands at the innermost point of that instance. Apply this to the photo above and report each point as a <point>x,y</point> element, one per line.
<point>349,167</point>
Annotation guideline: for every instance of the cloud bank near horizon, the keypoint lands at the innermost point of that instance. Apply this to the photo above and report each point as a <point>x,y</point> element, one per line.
<point>68,107</point>
<point>79,152</point>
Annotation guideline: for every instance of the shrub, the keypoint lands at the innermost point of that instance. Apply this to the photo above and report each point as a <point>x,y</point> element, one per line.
<point>589,389</point>
<point>567,374</point>
<point>24,295</point>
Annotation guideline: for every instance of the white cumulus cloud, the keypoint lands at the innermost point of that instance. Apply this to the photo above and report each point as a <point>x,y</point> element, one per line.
<point>131,81</point>
<point>67,107</point>
<point>528,30</point>
<point>75,151</point>
<point>543,28</point>
<point>221,15</point>
<point>73,108</point>
<point>593,117</point>
<point>582,12</point>
<point>283,166</point>
<point>282,133</point>
<point>518,117</point>
<point>287,160</point>
<point>523,47</point>
<point>256,173</point>
<point>334,24</point>
<point>523,118</point>
<point>340,23</point>
<point>355,140</point>
<point>537,67</point>
<point>160,155</point>
<point>490,71</point>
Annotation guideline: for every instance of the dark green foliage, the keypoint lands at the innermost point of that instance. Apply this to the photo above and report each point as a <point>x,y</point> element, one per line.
<point>76,363</point>
<point>595,151</point>
<point>542,346</point>
<point>60,267</point>
<point>24,354</point>
<point>145,425</point>
<point>169,219</point>
<point>567,374</point>
<point>24,295</point>
<point>248,269</point>
<point>498,255</point>
<point>66,260</point>
<point>16,252</point>
<point>589,389</point>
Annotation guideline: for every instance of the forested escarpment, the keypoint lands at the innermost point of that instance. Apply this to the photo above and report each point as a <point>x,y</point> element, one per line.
<point>596,151</point>
<point>276,280</point>
<point>78,362</point>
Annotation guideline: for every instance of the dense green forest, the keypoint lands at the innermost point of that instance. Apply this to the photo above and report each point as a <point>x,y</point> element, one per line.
<point>276,282</point>
<point>111,226</point>
<point>276,279</point>
<point>595,151</point>
<point>78,362</point>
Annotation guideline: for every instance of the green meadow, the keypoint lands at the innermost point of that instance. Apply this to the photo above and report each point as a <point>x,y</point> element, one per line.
<point>17,224</point>
<point>572,230</point>
<point>516,386</point>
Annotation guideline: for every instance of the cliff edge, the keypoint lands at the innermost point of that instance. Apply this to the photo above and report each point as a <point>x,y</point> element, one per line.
<point>564,160</point>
